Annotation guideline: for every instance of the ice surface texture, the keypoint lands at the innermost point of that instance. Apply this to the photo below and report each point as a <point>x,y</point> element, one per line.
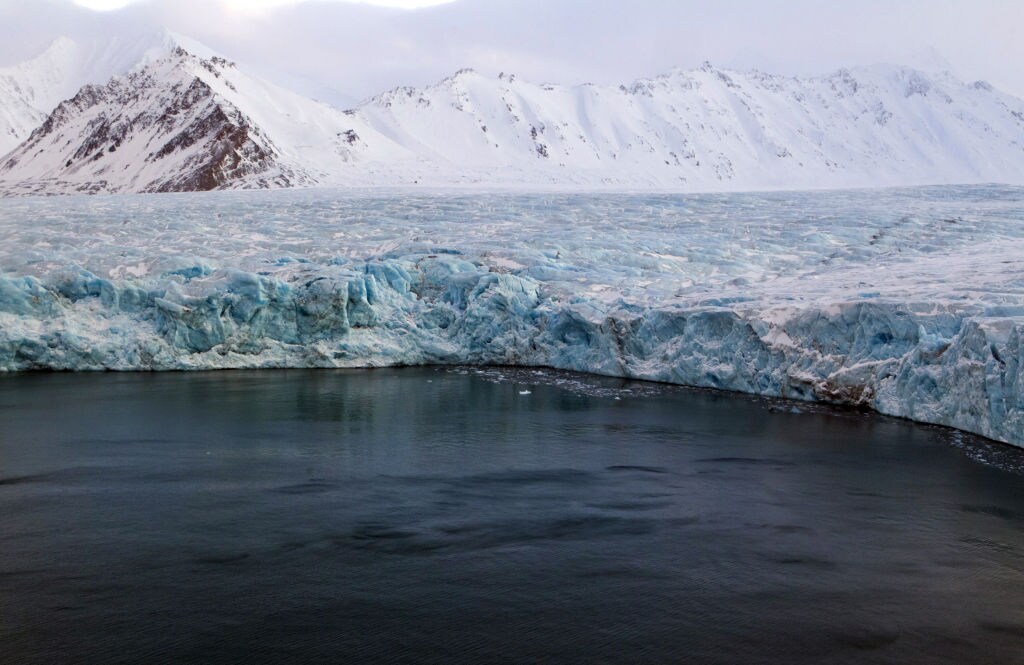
<point>910,302</point>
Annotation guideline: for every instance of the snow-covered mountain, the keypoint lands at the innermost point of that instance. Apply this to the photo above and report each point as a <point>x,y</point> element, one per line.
<point>31,90</point>
<point>710,128</point>
<point>184,118</point>
<point>180,123</point>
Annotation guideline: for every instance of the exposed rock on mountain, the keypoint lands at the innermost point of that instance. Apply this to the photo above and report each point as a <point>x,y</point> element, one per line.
<point>161,128</point>
<point>186,119</point>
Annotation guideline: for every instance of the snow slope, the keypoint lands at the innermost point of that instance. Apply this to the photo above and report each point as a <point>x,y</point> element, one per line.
<point>910,302</point>
<point>711,129</point>
<point>702,130</point>
<point>31,90</point>
<point>181,122</point>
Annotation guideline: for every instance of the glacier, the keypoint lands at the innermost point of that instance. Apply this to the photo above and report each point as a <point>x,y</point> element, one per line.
<point>906,301</point>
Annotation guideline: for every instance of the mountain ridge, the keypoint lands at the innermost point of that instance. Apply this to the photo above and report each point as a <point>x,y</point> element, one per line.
<point>692,130</point>
<point>30,90</point>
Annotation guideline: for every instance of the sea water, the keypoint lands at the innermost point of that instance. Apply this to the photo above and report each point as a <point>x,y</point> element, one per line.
<point>457,515</point>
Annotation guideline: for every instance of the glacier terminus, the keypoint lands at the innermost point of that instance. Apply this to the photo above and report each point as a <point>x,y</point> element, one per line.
<point>906,301</point>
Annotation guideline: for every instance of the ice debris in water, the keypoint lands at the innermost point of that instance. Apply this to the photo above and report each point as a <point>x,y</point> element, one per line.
<point>910,302</point>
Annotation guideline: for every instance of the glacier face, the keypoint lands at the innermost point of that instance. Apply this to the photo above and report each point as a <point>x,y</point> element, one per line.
<point>907,301</point>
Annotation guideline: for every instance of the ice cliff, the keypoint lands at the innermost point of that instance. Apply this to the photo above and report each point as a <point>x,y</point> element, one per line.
<point>899,314</point>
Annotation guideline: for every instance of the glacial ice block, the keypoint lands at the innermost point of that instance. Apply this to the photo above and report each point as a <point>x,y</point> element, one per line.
<point>743,294</point>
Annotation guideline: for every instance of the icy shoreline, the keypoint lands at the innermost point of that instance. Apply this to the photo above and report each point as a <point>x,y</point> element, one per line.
<point>948,366</point>
<point>915,314</point>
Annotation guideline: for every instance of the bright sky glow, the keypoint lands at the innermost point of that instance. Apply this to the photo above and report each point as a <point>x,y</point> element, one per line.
<point>259,6</point>
<point>343,50</point>
<point>103,5</point>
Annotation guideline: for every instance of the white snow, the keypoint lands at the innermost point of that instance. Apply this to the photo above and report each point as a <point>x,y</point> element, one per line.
<point>163,120</point>
<point>713,130</point>
<point>908,301</point>
<point>30,90</point>
<point>706,129</point>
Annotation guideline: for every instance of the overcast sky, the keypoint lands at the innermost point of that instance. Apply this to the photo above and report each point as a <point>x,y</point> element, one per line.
<point>342,50</point>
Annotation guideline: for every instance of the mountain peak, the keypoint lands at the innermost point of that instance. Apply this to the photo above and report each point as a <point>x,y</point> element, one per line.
<point>463,75</point>
<point>178,115</point>
<point>57,48</point>
<point>191,46</point>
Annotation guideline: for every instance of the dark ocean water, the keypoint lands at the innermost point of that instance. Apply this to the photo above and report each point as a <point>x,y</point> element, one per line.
<point>443,516</point>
